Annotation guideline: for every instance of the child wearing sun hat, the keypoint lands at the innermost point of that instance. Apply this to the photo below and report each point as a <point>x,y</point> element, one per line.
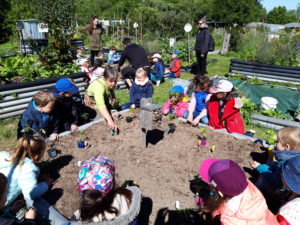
<point>223,108</point>
<point>289,213</point>
<point>175,104</point>
<point>100,199</point>
<point>233,197</point>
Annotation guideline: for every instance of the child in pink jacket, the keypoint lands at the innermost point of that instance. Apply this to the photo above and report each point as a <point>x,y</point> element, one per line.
<point>232,197</point>
<point>175,105</point>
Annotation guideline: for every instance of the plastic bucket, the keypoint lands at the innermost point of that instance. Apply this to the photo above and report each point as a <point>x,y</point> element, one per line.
<point>269,103</point>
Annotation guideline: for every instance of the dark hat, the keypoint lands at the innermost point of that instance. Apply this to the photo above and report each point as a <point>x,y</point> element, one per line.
<point>291,173</point>
<point>226,176</point>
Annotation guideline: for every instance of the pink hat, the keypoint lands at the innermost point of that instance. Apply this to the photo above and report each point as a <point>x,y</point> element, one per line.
<point>203,169</point>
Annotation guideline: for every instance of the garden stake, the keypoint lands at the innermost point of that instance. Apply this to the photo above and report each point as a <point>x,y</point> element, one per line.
<point>213,148</point>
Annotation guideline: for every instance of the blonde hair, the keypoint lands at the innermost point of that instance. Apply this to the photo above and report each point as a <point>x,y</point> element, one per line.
<point>29,146</point>
<point>141,71</point>
<point>3,184</point>
<point>42,98</point>
<point>290,136</point>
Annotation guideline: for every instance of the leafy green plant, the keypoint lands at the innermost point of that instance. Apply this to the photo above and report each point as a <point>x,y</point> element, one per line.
<point>272,136</point>
<point>171,116</point>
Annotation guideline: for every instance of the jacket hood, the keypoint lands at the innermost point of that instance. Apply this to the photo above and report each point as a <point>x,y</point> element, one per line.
<point>285,155</point>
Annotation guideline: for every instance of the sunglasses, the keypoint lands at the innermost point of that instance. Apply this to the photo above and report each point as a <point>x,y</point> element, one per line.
<point>200,23</point>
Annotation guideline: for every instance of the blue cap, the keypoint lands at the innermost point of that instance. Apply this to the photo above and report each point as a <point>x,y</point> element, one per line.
<point>175,52</point>
<point>177,88</point>
<point>291,173</point>
<point>65,85</point>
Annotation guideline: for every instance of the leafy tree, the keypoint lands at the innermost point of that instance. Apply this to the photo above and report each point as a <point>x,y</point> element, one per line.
<point>4,8</point>
<point>278,15</point>
<point>236,11</point>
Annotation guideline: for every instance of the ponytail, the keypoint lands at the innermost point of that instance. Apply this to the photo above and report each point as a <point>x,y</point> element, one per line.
<point>29,146</point>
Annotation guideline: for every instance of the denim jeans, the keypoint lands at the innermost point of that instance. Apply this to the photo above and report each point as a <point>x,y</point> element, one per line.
<point>172,75</point>
<point>126,106</point>
<point>195,114</point>
<point>46,213</point>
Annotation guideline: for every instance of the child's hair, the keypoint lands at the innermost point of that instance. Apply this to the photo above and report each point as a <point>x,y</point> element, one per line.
<point>214,200</point>
<point>201,83</point>
<point>110,73</point>
<point>113,48</point>
<point>100,53</point>
<point>291,136</point>
<point>31,146</point>
<point>3,184</point>
<point>141,71</point>
<point>94,202</point>
<point>98,63</point>
<point>42,98</point>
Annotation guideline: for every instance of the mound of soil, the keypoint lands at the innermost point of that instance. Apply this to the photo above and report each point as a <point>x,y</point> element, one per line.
<point>162,170</point>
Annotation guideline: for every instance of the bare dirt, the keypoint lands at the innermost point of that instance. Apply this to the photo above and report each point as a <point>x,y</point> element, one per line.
<point>162,171</point>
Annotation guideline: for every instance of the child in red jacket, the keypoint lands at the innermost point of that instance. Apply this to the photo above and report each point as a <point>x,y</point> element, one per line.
<point>175,65</point>
<point>223,108</point>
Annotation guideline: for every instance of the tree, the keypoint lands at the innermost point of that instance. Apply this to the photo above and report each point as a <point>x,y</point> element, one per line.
<point>236,11</point>
<point>278,15</point>
<point>4,30</point>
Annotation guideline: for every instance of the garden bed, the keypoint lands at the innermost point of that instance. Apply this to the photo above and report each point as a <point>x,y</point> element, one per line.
<point>162,171</point>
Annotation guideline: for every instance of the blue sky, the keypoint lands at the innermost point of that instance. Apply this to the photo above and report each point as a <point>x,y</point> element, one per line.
<point>289,4</point>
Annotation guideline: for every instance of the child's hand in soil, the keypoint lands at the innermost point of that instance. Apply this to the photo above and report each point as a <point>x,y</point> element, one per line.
<point>190,118</point>
<point>17,206</point>
<point>74,128</point>
<point>30,214</point>
<point>254,164</point>
<point>53,136</point>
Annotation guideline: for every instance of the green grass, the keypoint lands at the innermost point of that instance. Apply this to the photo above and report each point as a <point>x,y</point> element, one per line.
<point>9,48</point>
<point>8,134</point>
<point>220,67</point>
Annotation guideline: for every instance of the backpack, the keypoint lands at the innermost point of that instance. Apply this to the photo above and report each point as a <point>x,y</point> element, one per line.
<point>211,43</point>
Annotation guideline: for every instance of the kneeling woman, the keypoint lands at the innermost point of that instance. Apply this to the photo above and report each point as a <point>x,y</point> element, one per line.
<point>101,95</point>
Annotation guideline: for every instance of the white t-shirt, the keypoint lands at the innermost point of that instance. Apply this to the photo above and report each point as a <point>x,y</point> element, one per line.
<point>291,211</point>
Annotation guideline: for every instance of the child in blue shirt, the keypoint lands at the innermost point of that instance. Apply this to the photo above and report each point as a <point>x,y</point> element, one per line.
<point>157,74</point>
<point>39,117</point>
<point>197,107</point>
<point>141,88</point>
<point>113,56</point>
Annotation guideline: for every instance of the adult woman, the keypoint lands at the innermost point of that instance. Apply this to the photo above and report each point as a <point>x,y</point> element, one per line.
<point>94,31</point>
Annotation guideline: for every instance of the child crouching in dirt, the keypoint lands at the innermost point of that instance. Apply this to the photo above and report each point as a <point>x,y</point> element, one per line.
<point>141,88</point>
<point>231,196</point>
<point>18,165</point>
<point>197,108</point>
<point>289,213</point>
<point>288,146</point>
<point>100,199</point>
<point>223,108</point>
<point>175,105</point>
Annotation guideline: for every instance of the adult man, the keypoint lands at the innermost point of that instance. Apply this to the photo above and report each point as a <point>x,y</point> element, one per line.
<point>137,58</point>
<point>201,46</point>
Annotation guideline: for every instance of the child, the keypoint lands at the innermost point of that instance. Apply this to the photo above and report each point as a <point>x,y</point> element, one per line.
<point>100,95</point>
<point>18,165</point>
<point>100,199</point>
<point>175,65</point>
<point>79,55</point>
<point>223,108</point>
<point>141,88</point>
<point>288,146</point>
<point>97,71</point>
<point>175,105</point>
<point>100,56</point>
<point>157,74</point>
<point>9,216</point>
<point>65,105</point>
<point>39,118</point>
<point>84,67</point>
<point>232,196</point>
<point>289,214</point>
<point>198,102</point>
<point>113,56</point>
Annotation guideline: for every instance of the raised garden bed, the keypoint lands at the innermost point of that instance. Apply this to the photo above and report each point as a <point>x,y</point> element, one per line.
<point>162,170</point>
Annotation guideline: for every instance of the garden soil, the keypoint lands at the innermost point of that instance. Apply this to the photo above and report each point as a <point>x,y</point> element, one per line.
<point>162,170</point>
